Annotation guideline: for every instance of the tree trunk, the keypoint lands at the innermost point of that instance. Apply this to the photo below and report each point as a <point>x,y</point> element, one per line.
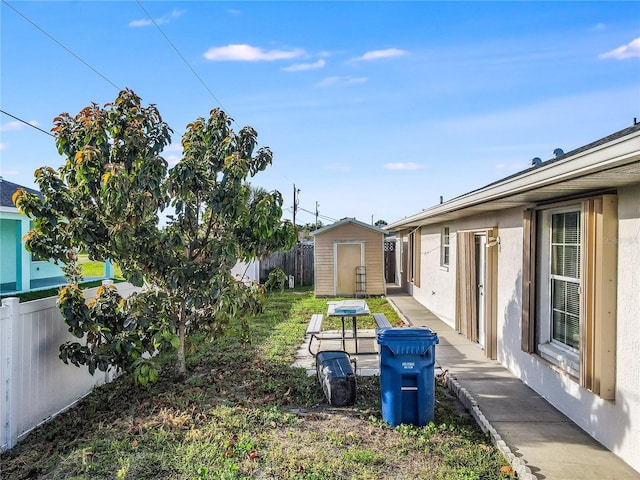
<point>182,362</point>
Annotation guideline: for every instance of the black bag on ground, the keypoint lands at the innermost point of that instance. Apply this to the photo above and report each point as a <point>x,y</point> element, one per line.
<point>336,376</point>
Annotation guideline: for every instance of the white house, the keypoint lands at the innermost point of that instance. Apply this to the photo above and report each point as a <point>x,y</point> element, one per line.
<point>247,272</point>
<point>542,270</point>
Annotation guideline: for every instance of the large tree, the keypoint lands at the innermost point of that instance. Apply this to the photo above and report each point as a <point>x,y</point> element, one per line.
<point>106,200</point>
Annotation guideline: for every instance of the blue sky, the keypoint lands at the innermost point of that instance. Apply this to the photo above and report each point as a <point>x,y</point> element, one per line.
<point>372,109</point>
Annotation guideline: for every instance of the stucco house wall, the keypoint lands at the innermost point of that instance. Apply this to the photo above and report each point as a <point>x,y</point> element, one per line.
<point>613,422</point>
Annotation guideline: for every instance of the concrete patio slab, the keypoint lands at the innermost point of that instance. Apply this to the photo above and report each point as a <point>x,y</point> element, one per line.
<point>491,394</point>
<point>561,450</point>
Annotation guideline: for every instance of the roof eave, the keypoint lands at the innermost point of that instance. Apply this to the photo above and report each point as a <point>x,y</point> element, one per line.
<point>616,153</point>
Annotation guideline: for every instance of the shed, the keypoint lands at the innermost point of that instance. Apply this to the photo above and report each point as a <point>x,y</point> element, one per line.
<point>349,259</point>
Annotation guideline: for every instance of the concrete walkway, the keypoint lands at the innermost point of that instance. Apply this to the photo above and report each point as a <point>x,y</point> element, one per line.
<point>539,441</point>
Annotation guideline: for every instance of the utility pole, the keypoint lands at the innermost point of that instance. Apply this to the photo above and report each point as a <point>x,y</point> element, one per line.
<point>317,205</point>
<point>296,191</point>
<point>297,279</point>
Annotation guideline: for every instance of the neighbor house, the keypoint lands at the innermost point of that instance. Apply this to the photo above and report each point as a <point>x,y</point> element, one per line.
<point>542,270</point>
<point>20,271</point>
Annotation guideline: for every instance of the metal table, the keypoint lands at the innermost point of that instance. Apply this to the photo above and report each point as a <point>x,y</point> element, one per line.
<point>345,309</point>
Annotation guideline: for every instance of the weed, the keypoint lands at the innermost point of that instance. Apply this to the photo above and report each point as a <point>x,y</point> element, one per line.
<point>245,413</point>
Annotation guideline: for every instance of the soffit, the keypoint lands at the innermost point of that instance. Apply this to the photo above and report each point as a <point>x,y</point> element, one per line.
<point>592,171</point>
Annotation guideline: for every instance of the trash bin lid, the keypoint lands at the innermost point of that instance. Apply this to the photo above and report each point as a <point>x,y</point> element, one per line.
<point>331,355</point>
<point>407,341</point>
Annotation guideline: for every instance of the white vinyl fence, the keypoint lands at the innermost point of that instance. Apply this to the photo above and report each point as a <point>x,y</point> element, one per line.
<point>35,384</point>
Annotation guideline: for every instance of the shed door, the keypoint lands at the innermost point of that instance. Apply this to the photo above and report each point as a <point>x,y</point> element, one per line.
<point>348,257</point>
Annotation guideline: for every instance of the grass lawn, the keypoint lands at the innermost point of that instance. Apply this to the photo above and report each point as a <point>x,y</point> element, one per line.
<point>243,413</point>
<point>95,269</point>
<point>90,268</point>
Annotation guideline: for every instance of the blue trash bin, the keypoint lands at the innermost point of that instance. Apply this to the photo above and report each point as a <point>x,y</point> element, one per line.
<point>407,384</point>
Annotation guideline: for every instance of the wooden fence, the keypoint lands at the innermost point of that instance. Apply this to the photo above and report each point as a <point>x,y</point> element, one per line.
<point>297,262</point>
<point>390,261</point>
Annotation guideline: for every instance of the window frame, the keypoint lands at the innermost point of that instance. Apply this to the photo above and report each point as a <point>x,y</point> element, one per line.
<point>551,349</point>
<point>445,247</point>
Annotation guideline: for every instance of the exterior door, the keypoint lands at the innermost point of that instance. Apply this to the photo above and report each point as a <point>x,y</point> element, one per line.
<point>476,288</point>
<point>348,257</point>
<point>479,287</point>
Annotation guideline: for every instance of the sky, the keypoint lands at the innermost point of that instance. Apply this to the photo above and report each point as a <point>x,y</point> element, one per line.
<point>373,110</point>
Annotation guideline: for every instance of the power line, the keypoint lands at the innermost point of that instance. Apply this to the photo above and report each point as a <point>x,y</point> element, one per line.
<point>323,217</point>
<point>180,55</point>
<point>27,123</point>
<point>60,44</point>
<point>104,77</point>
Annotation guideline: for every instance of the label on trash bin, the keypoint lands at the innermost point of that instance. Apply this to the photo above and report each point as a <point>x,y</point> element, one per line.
<point>408,365</point>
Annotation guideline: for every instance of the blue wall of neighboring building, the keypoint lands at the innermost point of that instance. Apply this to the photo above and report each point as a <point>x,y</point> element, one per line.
<point>9,250</point>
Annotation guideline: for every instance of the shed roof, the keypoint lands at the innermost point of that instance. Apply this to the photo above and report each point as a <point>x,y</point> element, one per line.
<point>344,221</point>
<point>611,162</point>
<point>7,189</point>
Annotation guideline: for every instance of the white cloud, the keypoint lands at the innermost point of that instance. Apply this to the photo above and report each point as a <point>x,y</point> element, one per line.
<point>233,11</point>
<point>338,167</point>
<point>10,126</point>
<point>403,166</point>
<point>300,67</point>
<point>9,173</point>
<point>378,54</point>
<point>512,167</point>
<point>330,81</point>
<point>173,153</point>
<point>144,22</point>
<point>247,53</point>
<point>2,146</point>
<point>173,147</point>
<point>630,50</point>
<point>172,160</point>
<point>147,22</point>
<point>598,27</point>
<point>15,125</point>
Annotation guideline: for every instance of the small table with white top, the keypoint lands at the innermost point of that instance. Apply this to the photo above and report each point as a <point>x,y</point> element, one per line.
<point>345,309</point>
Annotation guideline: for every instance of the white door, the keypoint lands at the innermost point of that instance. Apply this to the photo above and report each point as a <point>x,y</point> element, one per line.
<point>481,276</point>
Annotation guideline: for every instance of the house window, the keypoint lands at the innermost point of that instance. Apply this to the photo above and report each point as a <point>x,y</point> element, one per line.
<point>569,289</point>
<point>37,258</point>
<point>564,278</point>
<point>558,287</point>
<point>444,247</point>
